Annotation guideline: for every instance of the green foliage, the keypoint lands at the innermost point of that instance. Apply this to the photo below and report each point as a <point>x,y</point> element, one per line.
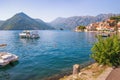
<point>116,18</point>
<point>107,51</point>
<point>81,27</point>
<point>21,21</point>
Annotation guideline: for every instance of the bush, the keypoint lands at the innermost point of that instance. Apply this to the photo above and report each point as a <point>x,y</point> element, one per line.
<point>106,51</point>
<point>116,18</point>
<point>81,27</point>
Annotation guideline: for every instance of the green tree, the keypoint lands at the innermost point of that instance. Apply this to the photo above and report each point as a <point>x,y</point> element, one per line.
<point>116,20</point>
<point>81,28</point>
<point>107,51</point>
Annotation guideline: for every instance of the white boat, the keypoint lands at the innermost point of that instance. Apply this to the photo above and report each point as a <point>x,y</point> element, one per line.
<point>6,58</point>
<point>29,34</point>
<point>104,34</point>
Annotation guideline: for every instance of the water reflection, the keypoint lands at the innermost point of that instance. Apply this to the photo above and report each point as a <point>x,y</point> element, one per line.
<point>4,75</point>
<point>9,66</point>
<point>54,51</point>
<point>25,41</point>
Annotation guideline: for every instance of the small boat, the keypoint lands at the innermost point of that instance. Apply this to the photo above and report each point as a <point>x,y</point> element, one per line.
<point>6,58</point>
<point>103,34</point>
<point>2,45</point>
<point>29,34</point>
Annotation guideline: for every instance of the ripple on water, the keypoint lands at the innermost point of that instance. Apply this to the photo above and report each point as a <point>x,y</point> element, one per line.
<point>54,53</point>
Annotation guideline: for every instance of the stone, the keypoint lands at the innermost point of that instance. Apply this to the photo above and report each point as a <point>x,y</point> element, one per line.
<point>76,69</point>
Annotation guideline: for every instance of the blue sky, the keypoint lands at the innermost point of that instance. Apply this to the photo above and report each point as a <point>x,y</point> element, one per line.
<point>48,10</point>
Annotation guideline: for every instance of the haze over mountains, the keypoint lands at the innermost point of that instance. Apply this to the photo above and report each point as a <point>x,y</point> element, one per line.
<point>21,21</point>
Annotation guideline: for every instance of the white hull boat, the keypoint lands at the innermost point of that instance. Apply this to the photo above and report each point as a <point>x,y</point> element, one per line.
<point>29,34</point>
<point>6,58</point>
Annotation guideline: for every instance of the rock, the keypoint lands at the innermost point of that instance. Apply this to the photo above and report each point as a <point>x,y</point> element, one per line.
<point>76,69</point>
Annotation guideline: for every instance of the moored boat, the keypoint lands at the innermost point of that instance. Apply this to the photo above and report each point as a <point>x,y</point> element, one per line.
<point>29,34</point>
<point>104,34</point>
<point>6,58</point>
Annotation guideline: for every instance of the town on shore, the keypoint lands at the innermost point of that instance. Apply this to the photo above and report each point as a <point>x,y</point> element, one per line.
<point>112,24</point>
<point>105,52</point>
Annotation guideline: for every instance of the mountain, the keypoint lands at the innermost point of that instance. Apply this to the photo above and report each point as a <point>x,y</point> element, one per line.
<point>1,22</point>
<point>21,21</point>
<point>71,22</point>
<point>39,20</point>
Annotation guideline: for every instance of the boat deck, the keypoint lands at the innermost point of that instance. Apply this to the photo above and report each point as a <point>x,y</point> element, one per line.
<point>6,58</point>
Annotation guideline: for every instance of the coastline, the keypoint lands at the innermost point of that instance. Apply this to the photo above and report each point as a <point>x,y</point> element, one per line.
<point>68,72</point>
<point>91,72</point>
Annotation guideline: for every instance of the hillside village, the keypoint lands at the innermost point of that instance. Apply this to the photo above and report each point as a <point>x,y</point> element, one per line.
<point>106,25</point>
<point>109,25</point>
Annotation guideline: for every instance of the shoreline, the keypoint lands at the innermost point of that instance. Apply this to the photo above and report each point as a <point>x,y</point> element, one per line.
<point>69,71</point>
<point>91,72</point>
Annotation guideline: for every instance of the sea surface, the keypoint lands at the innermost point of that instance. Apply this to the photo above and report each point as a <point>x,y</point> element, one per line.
<point>55,52</point>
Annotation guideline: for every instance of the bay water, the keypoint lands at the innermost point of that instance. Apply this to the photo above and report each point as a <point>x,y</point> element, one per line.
<point>53,53</point>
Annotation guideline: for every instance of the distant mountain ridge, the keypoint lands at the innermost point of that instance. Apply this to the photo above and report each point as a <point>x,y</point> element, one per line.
<point>1,22</point>
<point>21,21</point>
<point>71,22</point>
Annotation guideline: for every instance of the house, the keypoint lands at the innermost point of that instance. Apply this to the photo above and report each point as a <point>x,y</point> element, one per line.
<point>107,25</point>
<point>91,27</point>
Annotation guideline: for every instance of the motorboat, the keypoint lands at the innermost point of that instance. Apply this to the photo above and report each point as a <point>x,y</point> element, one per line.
<point>104,34</point>
<point>29,34</point>
<point>6,58</point>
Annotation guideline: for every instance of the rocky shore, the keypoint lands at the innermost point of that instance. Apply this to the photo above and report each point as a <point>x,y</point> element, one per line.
<point>92,72</point>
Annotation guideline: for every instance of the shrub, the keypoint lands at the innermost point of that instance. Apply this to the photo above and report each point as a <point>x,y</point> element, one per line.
<point>106,51</point>
<point>81,27</point>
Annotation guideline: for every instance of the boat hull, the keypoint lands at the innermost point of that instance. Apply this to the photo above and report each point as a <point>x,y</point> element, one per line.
<point>6,58</point>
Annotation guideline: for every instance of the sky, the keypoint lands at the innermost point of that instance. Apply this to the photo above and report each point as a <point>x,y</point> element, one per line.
<point>48,10</point>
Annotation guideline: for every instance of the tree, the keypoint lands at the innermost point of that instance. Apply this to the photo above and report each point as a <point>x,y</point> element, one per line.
<point>81,28</point>
<point>116,20</point>
<point>107,51</point>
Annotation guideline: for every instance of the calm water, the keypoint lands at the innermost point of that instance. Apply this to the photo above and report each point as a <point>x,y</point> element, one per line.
<point>55,52</point>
